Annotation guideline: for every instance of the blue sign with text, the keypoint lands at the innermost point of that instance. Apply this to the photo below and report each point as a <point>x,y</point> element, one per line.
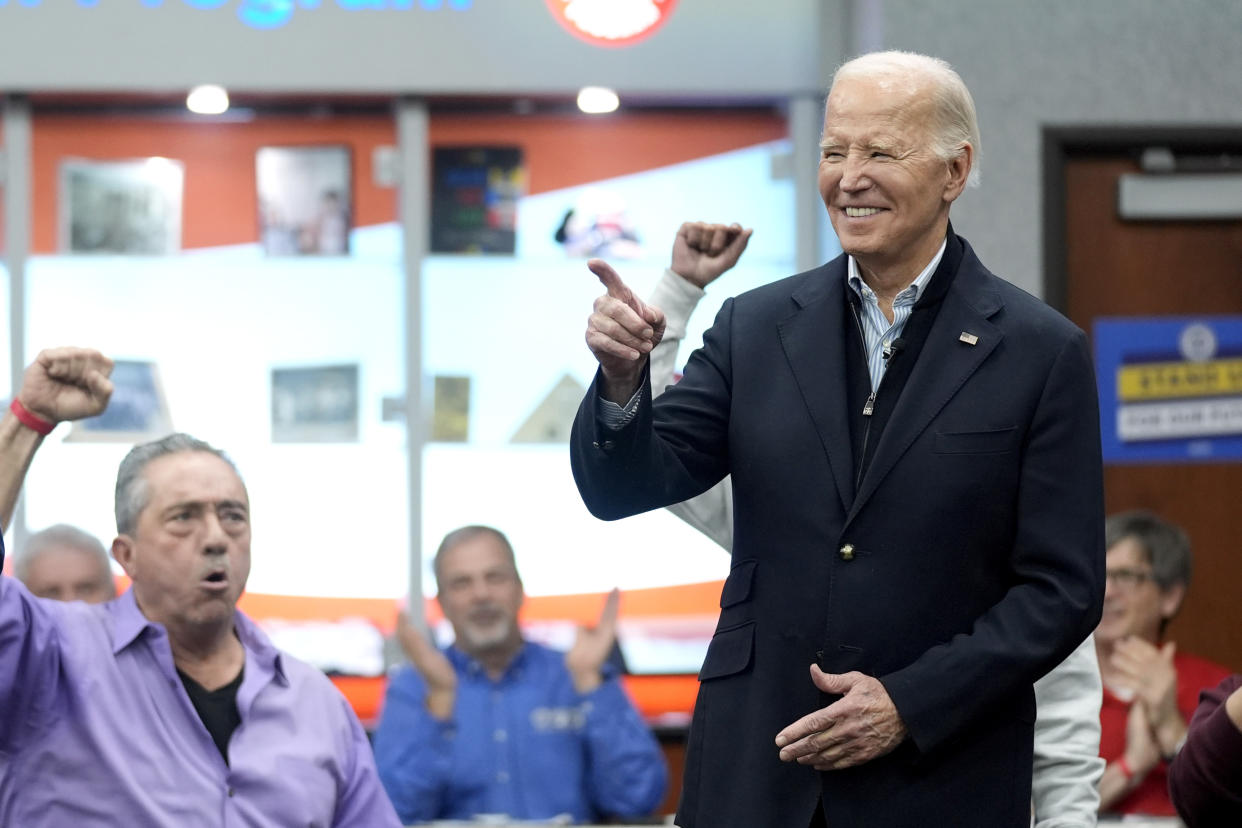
<point>1170,388</point>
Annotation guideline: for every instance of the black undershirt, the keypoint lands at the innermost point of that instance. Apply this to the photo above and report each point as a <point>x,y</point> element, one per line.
<point>217,708</point>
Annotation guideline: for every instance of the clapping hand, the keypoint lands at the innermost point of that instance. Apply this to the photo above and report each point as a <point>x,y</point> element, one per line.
<point>592,646</point>
<point>433,665</point>
<point>1149,672</point>
<point>1142,752</point>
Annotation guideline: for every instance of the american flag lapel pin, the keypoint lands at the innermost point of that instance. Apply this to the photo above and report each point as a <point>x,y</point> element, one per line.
<point>968,338</point>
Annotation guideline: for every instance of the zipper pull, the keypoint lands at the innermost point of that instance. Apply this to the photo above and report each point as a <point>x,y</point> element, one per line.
<point>870,406</point>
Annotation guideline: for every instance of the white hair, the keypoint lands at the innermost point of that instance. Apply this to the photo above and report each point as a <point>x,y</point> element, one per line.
<point>63,536</point>
<point>955,124</point>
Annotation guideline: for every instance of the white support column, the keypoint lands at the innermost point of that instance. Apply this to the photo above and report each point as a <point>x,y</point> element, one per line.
<point>805,124</point>
<point>414,194</point>
<point>866,27</point>
<point>16,177</point>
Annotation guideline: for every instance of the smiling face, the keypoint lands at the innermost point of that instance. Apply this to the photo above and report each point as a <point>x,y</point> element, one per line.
<point>480,593</point>
<point>886,190</point>
<point>1134,604</point>
<point>189,554</point>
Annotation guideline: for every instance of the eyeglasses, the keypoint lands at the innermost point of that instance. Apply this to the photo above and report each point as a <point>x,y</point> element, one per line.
<point>1128,578</point>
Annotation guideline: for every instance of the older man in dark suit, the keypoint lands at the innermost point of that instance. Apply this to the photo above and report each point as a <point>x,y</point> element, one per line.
<point>914,449</point>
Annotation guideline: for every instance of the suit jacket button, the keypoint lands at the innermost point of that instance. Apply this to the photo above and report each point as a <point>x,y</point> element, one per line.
<point>847,552</point>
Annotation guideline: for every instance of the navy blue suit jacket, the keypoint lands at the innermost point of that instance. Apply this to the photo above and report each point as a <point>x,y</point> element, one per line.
<point>966,563</point>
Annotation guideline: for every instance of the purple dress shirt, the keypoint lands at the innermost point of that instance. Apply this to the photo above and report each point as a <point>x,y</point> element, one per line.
<point>96,729</point>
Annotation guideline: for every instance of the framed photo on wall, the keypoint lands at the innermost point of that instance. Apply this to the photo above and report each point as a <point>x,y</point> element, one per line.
<point>122,207</point>
<point>450,418</point>
<point>137,411</point>
<point>305,198</point>
<point>474,197</point>
<point>315,404</point>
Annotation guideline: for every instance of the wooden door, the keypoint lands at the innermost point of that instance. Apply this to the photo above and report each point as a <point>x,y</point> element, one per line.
<point>1115,267</point>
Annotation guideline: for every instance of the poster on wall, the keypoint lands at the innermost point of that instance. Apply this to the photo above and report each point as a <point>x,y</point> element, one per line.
<point>137,411</point>
<point>599,225</point>
<point>552,419</point>
<point>305,198</point>
<point>1170,388</point>
<point>121,207</point>
<point>315,404</point>
<point>450,417</point>
<point>475,191</point>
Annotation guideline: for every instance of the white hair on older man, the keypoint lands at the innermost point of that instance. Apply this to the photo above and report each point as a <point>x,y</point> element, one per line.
<point>956,123</point>
<point>54,578</point>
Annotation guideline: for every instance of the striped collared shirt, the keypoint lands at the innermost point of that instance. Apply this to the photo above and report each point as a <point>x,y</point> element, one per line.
<point>878,332</point>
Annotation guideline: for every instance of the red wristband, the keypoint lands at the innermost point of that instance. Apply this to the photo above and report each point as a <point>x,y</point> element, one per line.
<point>1125,768</point>
<point>31,421</point>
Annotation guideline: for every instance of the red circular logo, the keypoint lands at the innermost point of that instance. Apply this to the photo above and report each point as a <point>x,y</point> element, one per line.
<point>611,22</point>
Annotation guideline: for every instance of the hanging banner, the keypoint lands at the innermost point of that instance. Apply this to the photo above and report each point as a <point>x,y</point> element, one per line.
<point>1170,388</point>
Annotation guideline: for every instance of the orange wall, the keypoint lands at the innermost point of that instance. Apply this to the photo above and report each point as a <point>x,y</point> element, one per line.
<point>655,696</point>
<point>219,200</point>
<point>568,151</point>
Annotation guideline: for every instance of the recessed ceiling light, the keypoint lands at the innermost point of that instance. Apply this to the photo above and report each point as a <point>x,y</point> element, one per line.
<point>597,100</point>
<point>207,99</point>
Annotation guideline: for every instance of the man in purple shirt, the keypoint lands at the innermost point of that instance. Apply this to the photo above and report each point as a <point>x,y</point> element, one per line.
<point>166,706</point>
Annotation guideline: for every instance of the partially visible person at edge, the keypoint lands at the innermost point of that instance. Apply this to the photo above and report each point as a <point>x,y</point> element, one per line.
<point>1205,779</point>
<point>915,458</point>
<point>1150,688</point>
<point>496,724</point>
<point>1067,766</point>
<point>64,563</point>
<point>166,706</point>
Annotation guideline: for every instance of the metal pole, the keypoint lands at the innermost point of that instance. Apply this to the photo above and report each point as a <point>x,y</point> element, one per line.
<point>805,125</point>
<point>17,248</point>
<point>413,144</point>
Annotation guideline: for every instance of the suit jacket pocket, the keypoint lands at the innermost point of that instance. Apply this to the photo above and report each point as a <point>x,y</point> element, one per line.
<point>993,441</point>
<point>730,652</point>
<point>737,585</point>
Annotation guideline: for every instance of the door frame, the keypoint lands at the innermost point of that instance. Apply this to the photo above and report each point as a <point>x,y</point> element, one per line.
<point>1061,142</point>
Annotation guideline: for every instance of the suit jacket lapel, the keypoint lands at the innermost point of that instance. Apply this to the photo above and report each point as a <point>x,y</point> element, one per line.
<point>815,348</point>
<point>943,367</point>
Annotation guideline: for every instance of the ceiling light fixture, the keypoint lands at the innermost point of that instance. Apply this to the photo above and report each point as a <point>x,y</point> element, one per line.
<point>207,99</point>
<point>597,100</point>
